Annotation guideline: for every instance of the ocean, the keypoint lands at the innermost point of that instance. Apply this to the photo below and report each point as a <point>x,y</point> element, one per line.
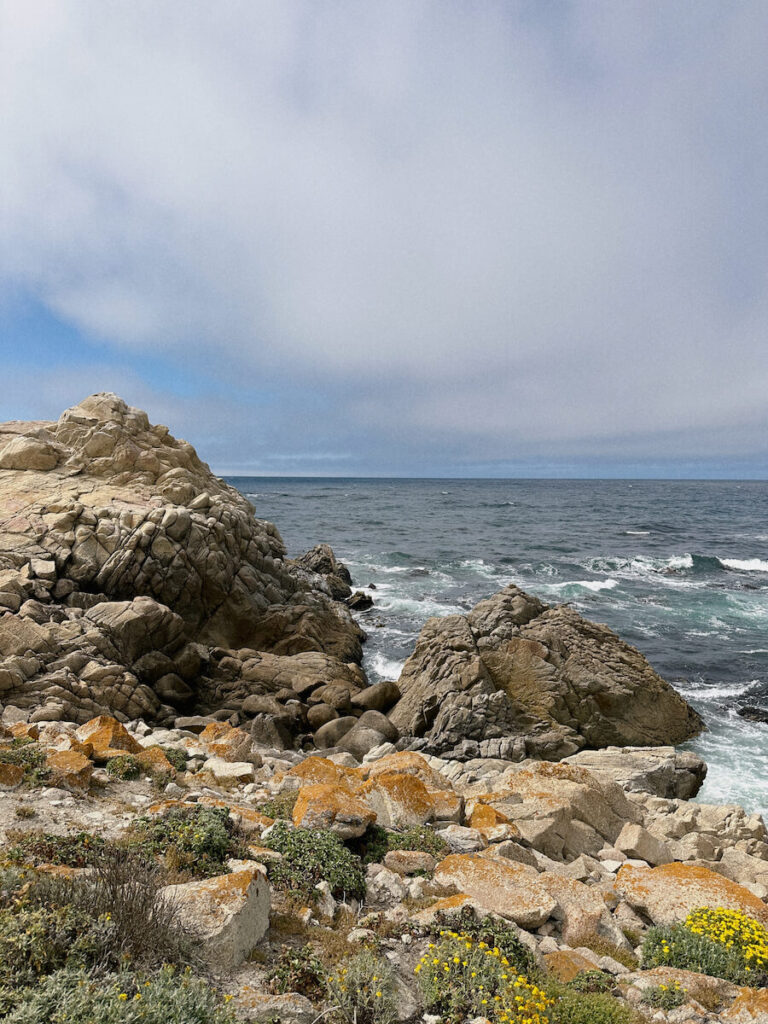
<point>679,569</point>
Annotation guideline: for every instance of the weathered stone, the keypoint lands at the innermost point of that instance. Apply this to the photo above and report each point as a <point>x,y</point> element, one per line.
<point>105,733</point>
<point>334,807</point>
<point>661,771</point>
<point>11,775</point>
<point>229,771</point>
<point>667,894</point>
<point>360,740</point>
<point>399,800</point>
<point>409,862</point>
<point>332,733</point>
<point>378,697</point>
<point>513,890</point>
<point>69,770</point>
<point>636,841</point>
<point>258,1007</point>
<point>544,680</point>
<point>229,913</point>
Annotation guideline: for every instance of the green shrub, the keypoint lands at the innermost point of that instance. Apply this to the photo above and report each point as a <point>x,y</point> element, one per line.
<point>461,978</point>
<point>376,842</point>
<point>125,767</point>
<point>74,997</point>
<point>30,757</point>
<point>676,946</point>
<point>36,940</point>
<point>298,970</point>
<point>665,997</point>
<point>492,931</point>
<point>364,992</point>
<point>309,857</point>
<point>591,981</point>
<point>577,1008</point>
<point>77,850</point>
<point>192,840</point>
<point>280,807</point>
<point>177,757</point>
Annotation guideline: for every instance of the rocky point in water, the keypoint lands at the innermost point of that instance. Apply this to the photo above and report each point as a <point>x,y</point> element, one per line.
<point>520,778</point>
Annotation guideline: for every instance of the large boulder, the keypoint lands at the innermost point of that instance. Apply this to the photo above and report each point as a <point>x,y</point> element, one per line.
<point>667,894</point>
<point>516,678</point>
<point>118,548</point>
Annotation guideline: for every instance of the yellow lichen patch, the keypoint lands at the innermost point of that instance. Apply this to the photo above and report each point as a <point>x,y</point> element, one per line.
<point>247,818</point>
<point>406,762</point>
<point>399,800</point>
<point>320,770</point>
<point>11,775</point>
<point>511,889</point>
<point>565,964</point>
<point>485,816</point>
<point>670,892</point>
<point>334,807</point>
<point>154,760</point>
<point>215,731</point>
<point>25,730</point>
<point>751,1007</point>
<point>69,770</point>
<point>107,735</point>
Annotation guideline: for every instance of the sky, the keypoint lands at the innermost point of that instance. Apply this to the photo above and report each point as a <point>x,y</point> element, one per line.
<point>420,238</point>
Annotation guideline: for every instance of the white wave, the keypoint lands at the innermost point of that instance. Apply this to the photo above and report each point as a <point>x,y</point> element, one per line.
<point>414,606</point>
<point>680,562</point>
<point>594,585</point>
<point>745,564</point>
<point>383,667</point>
<point>756,650</point>
<point>718,691</point>
<point>637,533</point>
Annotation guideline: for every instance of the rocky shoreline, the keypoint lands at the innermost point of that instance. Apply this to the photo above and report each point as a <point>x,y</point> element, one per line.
<point>161,659</point>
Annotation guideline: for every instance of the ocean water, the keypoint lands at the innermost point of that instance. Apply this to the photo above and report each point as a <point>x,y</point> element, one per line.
<point>677,568</point>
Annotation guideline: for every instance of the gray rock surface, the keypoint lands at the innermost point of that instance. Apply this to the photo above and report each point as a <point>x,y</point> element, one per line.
<point>133,581</point>
<point>516,678</point>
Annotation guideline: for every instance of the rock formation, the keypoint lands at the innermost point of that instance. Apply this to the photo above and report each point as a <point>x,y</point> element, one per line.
<point>517,678</point>
<point>134,581</point>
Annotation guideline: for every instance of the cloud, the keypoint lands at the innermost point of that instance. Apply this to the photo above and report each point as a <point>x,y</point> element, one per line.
<point>434,232</point>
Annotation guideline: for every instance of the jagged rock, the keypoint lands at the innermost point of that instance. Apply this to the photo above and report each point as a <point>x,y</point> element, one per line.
<point>117,547</point>
<point>543,681</point>
<point>661,771</point>
<point>637,842</point>
<point>70,770</point>
<point>322,561</point>
<point>360,601</point>
<point>334,807</point>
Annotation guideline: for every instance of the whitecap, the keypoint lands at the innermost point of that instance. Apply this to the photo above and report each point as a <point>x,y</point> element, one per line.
<point>637,533</point>
<point>718,691</point>
<point>594,585</point>
<point>383,667</point>
<point>745,564</point>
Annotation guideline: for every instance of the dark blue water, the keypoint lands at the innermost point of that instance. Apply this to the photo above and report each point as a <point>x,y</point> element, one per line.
<point>678,568</point>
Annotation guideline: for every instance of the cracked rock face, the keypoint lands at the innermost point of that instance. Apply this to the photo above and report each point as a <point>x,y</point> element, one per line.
<point>126,567</point>
<point>516,678</point>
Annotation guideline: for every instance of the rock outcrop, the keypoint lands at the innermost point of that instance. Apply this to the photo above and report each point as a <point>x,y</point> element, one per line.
<point>133,581</point>
<point>516,678</point>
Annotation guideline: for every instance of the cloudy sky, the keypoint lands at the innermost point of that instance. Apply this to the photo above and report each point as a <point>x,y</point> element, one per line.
<point>431,237</point>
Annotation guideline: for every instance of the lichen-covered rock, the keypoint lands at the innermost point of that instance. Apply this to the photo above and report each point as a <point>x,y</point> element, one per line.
<point>334,807</point>
<point>228,913</point>
<point>512,890</point>
<point>660,771</point>
<point>69,770</point>
<point>667,894</point>
<point>516,678</point>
